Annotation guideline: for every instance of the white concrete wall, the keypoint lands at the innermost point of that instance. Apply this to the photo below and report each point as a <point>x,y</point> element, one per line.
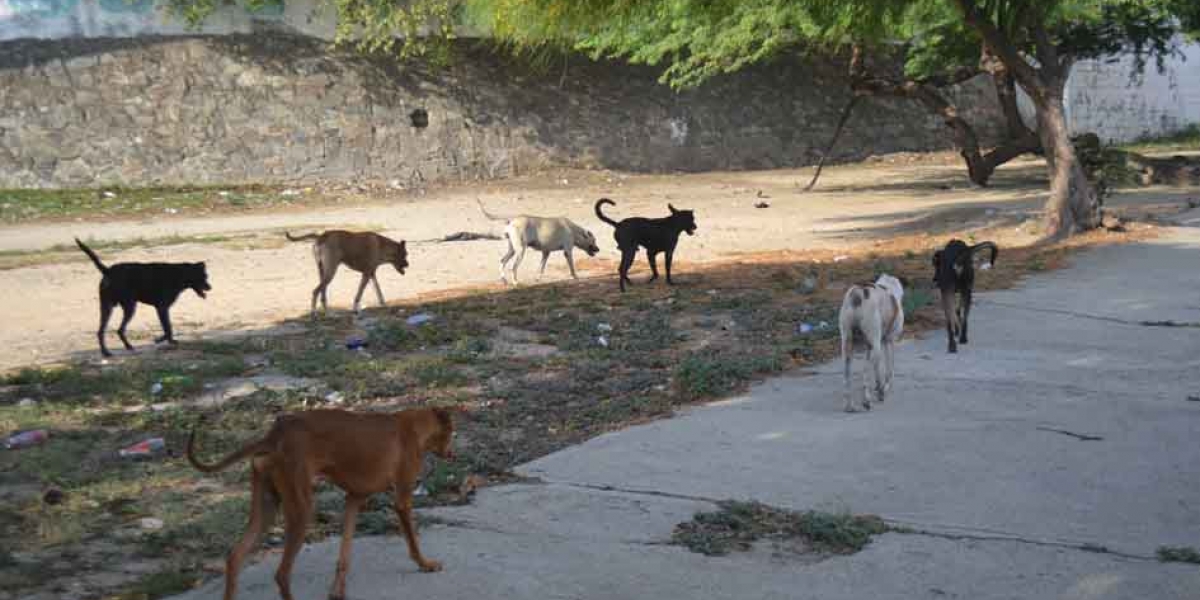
<point>1103,99</point>
<point>57,19</point>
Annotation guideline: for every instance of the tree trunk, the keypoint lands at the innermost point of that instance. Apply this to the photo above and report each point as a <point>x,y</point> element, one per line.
<point>1073,205</point>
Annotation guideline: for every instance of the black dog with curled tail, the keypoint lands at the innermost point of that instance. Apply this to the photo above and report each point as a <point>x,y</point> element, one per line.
<point>655,235</point>
<point>954,274</point>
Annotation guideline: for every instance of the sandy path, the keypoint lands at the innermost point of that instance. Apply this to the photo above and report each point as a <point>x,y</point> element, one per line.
<point>51,310</point>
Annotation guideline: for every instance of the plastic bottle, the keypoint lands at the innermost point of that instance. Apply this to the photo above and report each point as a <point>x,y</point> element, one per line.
<point>26,439</point>
<point>144,448</point>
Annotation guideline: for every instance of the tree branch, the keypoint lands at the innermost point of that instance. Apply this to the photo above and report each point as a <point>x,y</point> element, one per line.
<point>1001,46</point>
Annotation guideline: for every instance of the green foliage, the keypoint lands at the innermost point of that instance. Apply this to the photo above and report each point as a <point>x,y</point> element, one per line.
<point>695,40</point>
<point>737,525</point>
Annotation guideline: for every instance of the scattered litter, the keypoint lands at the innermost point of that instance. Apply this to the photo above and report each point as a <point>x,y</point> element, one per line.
<point>335,397</point>
<point>840,258</point>
<point>144,448</point>
<point>171,211</point>
<point>290,193</point>
<point>157,388</point>
<point>985,266</point>
<point>25,439</point>
<point>808,285</point>
<point>151,524</point>
<point>108,195</point>
<point>603,341</point>
<point>53,496</point>
<point>420,491</point>
<point>27,402</point>
<point>823,325</point>
<point>223,194</point>
<point>804,328</point>
<point>761,205</point>
<point>604,327</point>
<point>356,343</point>
<point>419,319</point>
<point>564,182</point>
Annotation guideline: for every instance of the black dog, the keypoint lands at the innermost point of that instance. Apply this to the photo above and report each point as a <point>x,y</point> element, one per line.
<point>655,235</point>
<point>954,273</point>
<point>156,284</point>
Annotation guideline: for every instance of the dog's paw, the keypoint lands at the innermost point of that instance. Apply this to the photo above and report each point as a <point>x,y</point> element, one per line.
<point>431,566</point>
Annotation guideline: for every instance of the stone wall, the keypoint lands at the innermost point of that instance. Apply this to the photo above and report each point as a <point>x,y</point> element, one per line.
<point>272,108</point>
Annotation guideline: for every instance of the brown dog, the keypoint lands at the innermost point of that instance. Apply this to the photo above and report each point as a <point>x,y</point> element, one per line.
<point>361,453</point>
<point>363,252</point>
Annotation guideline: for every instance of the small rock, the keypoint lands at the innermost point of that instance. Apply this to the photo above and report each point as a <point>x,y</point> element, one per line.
<point>157,388</point>
<point>762,205</point>
<point>335,397</point>
<point>604,327</point>
<point>108,195</point>
<point>421,491</point>
<point>290,193</point>
<point>53,496</point>
<point>1193,398</point>
<point>27,402</point>
<point>151,523</point>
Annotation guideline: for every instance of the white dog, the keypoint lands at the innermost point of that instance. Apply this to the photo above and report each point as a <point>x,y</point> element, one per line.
<point>872,316</point>
<point>547,234</point>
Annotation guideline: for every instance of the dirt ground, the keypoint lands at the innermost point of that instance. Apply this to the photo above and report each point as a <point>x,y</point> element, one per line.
<point>51,308</point>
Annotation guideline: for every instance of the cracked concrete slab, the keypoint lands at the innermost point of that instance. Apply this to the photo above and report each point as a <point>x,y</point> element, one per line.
<point>969,451</point>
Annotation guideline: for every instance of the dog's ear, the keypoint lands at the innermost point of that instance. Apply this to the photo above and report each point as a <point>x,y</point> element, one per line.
<point>673,209</point>
<point>402,243</point>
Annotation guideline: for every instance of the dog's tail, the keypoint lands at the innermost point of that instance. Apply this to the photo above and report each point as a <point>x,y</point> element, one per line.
<point>257,447</point>
<point>92,255</point>
<point>984,246</point>
<point>600,214</point>
<point>301,238</point>
<point>489,216</point>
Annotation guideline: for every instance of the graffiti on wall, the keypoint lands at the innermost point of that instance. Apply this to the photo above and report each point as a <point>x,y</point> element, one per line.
<point>57,19</point>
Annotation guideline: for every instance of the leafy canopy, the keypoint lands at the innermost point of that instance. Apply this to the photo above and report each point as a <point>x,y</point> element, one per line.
<point>697,39</point>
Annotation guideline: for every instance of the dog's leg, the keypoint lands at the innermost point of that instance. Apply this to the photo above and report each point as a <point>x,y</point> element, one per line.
<point>890,354</point>
<point>570,263</point>
<point>404,511</point>
<point>627,257</point>
<point>948,313</point>
<point>362,285</point>
<point>847,359</point>
<point>106,309</point>
<point>349,522</point>
<point>517,264</point>
<point>327,272</point>
<point>670,258</point>
<point>545,257</point>
<point>504,260</point>
<point>164,319</point>
<point>378,290</point>
<point>878,362</point>
<point>965,307</point>
<point>653,258</point>
<point>127,311</point>
<point>297,509</point>
<point>262,517</point>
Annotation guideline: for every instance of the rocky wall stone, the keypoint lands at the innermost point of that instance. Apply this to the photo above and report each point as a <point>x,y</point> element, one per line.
<point>275,108</point>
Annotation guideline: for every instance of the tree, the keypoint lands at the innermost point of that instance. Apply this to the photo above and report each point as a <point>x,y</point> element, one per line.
<point>1033,43</point>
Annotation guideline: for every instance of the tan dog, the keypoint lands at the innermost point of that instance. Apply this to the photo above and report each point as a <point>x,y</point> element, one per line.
<point>548,234</point>
<point>872,315</point>
<point>362,252</point>
<point>363,454</point>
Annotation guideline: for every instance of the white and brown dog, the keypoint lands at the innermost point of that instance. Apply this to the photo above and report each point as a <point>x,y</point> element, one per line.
<point>872,316</point>
<point>547,234</point>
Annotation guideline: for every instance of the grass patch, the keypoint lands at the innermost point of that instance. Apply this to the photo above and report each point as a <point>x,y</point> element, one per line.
<point>23,205</point>
<point>704,374</point>
<point>737,525</point>
<point>1185,139</point>
<point>1181,554</point>
<point>160,585</point>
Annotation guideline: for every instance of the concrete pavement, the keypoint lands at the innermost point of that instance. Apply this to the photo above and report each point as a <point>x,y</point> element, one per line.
<point>970,452</point>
